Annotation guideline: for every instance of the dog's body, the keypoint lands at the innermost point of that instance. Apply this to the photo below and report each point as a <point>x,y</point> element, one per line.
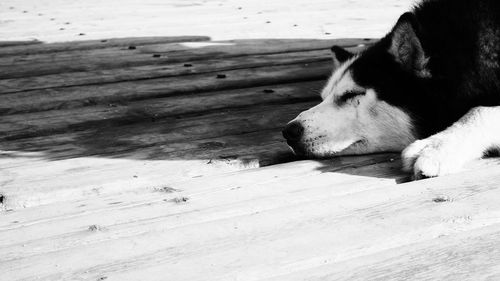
<point>431,87</point>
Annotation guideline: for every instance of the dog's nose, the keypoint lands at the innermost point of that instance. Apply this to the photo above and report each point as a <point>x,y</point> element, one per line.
<point>293,131</point>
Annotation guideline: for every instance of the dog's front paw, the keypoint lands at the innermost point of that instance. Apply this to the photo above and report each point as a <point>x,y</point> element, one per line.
<point>435,156</point>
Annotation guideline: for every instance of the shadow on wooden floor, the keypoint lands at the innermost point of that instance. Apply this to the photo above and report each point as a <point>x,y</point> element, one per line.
<point>160,98</point>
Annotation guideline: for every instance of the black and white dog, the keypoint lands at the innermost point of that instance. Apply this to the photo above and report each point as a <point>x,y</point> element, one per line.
<point>429,88</point>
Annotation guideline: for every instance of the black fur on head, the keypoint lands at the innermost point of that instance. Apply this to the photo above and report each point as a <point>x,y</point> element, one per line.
<point>440,60</point>
<point>396,68</point>
<point>406,46</point>
<point>340,55</point>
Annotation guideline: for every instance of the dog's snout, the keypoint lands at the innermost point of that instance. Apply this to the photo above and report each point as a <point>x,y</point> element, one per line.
<point>293,131</point>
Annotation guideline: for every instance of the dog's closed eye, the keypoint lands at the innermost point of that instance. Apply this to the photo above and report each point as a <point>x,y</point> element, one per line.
<point>347,96</point>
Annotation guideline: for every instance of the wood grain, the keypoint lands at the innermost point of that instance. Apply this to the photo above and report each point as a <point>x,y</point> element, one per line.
<point>106,116</point>
<point>270,239</point>
<point>116,93</point>
<point>109,58</point>
<point>167,69</point>
<point>471,255</point>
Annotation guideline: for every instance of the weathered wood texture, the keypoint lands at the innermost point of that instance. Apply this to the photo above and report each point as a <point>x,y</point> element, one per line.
<point>290,227</point>
<point>126,154</point>
<point>224,113</point>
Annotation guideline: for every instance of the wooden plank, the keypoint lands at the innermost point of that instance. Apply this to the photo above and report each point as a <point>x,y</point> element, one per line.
<point>233,141</point>
<point>86,176</point>
<point>102,76</point>
<point>111,138</point>
<point>217,191</point>
<point>265,237</point>
<point>36,48</point>
<point>56,121</point>
<point>55,181</point>
<point>360,167</point>
<point>193,137</point>
<point>192,48</point>
<point>184,160</point>
<point>187,148</point>
<point>45,64</point>
<point>116,93</point>
<point>74,216</point>
<point>161,152</point>
<point>472,255</point>
<point>45,182</point>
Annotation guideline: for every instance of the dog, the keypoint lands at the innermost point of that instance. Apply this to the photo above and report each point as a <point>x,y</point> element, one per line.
<point>430,88</point>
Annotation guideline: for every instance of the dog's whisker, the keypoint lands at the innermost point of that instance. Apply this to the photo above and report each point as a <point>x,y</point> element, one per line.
<point>315,91</point>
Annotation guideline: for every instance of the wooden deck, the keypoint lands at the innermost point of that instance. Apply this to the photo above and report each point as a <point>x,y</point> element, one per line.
<point>160,157</point>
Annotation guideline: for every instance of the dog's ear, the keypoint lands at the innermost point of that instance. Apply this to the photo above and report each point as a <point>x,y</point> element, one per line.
<point>340,55</point>
<point>406,46</point>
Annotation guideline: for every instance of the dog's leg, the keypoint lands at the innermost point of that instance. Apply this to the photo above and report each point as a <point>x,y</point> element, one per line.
<point>446,152</point>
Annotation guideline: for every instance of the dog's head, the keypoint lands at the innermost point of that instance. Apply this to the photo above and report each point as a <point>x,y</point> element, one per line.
<point>367,102</point>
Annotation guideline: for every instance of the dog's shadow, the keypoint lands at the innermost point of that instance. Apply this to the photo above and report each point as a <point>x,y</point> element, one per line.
<point>385,166</point>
